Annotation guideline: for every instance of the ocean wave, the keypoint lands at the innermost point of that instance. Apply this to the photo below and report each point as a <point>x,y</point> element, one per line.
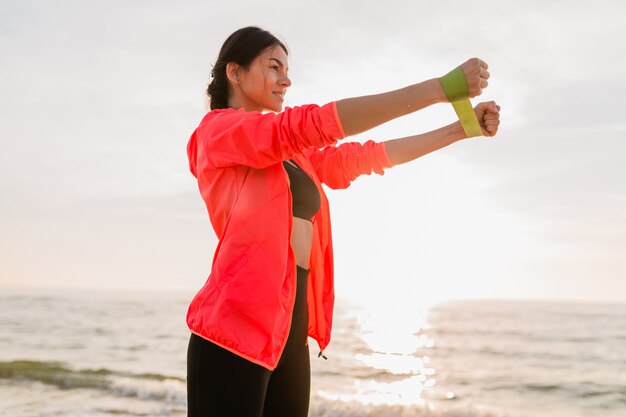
<point>610,394</point>
<point>122,384</point>
<point>323,407</point>
<point>357,373</point>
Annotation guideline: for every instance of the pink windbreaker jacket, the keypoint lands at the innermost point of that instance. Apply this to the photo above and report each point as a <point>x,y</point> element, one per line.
<point>246,303</point>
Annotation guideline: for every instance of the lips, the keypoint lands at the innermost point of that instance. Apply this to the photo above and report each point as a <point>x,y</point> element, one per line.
<point>280,94</point>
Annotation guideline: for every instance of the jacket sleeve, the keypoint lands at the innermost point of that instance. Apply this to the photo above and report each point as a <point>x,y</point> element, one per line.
<point>338,166</point>
<point>231,137</point>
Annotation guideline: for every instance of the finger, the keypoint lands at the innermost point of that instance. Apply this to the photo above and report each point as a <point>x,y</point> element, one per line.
<point>475,90</point>
<point>477,87</point>
<point>492,107</point>
<point>482,63</point>
<point>492,114</point>
<point>484,73</point>
<point>495,122</point>
<point>488,106</point>
<point>491,130</point>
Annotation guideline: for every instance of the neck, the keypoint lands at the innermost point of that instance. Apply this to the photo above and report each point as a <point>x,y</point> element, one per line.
<point>239,100</point>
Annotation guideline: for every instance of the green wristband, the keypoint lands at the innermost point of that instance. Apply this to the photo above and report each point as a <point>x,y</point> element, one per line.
<point>455,87</point>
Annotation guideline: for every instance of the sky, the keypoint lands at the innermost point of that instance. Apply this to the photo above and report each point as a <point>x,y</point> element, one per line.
<point>99,98</point>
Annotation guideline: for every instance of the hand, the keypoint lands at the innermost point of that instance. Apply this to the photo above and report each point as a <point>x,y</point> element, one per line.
<point>476,74</point>
<point>488,115</point>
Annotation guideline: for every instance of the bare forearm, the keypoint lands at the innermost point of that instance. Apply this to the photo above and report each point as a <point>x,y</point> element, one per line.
<point>409,148</point>
<point>359,114</point>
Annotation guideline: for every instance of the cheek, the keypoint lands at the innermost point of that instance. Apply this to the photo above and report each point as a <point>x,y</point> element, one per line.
<point>271,80</point>
<point>265,84</point>
<point>255,82</point>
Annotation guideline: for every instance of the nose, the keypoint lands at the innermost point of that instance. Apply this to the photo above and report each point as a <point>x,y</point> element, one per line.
<point>285,81</point>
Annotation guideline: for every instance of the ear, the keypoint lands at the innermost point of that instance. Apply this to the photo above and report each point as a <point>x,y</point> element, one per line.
<point>232,72</point>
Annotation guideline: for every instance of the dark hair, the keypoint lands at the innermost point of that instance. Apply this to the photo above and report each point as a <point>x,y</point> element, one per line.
<point>241,48</point>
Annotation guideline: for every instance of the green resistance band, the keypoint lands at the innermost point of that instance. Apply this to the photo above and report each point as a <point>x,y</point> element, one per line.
<point>456,89</point>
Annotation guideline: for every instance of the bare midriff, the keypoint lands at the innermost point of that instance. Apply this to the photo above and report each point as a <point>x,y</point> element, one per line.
<point>302,240</point>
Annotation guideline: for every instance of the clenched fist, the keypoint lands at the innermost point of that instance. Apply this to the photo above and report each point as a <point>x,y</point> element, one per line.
<point>476,74</point>
<point>488,115</point>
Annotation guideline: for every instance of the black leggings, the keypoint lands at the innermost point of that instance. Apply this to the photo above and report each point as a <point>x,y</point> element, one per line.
<point>221,383</point>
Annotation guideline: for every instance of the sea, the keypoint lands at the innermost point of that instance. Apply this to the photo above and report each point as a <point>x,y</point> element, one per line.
<point>93,353</point>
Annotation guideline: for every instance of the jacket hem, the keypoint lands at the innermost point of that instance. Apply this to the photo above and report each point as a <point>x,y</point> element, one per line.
<point>231,350</point>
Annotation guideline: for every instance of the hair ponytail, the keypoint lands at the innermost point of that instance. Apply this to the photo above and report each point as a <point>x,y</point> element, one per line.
<point>218,87</point>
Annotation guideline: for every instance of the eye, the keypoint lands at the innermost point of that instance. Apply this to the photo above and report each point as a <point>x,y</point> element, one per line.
<point>274,67</point>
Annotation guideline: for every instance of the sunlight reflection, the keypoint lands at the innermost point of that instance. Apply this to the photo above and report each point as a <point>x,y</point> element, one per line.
<point>395,364</point>
<point>405,392</point>
<point>395,336</point>
<point>394,330</point>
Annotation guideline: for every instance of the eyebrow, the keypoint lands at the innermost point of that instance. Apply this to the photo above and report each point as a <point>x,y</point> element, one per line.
<point>279,62</point>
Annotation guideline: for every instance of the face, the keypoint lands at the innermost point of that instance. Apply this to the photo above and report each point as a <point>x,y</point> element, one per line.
<point>264,84</point>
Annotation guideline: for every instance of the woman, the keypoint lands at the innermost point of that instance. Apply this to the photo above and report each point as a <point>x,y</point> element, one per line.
<point>260,175</point>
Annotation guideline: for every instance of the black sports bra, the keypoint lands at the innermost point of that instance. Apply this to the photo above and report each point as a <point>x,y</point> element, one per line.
<point>306,197</point>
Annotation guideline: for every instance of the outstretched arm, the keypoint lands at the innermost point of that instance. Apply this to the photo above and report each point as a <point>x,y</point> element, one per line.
<point>409,148</point>
<point>359,114</point>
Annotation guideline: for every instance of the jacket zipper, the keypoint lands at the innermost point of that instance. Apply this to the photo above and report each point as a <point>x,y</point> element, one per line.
<point>321,352</point>
<point>295,270</point>
<point>295,277</point>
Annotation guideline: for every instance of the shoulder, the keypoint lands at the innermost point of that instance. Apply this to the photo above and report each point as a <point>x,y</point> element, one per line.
<point>218,114</point>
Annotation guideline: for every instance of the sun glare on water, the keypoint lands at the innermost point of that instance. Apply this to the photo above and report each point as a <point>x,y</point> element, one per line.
<point>395,336</point>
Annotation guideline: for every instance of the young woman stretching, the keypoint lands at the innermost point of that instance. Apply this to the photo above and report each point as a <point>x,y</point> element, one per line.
<point>260,175</point>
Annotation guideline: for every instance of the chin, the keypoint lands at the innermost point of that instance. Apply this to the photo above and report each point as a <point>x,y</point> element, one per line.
<point>275,106</point>
<point>275,109</point>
